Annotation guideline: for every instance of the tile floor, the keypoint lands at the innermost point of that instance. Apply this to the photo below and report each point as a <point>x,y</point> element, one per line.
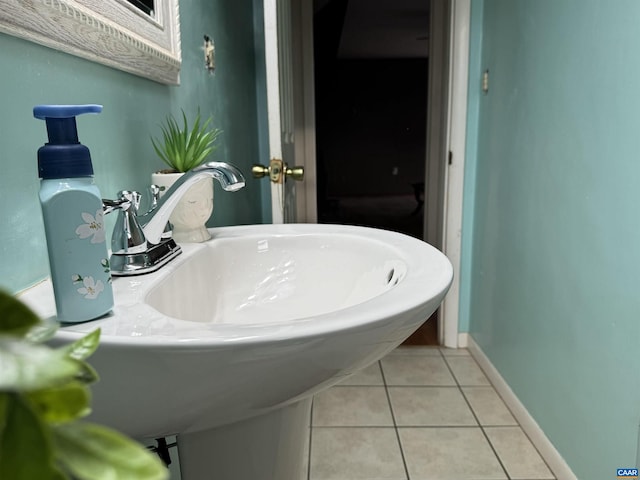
<point>421,413</point>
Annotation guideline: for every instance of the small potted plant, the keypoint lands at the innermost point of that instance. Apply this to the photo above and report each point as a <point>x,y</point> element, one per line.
<point>183,148</point>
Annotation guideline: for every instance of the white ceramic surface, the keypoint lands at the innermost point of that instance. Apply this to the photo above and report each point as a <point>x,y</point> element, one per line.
<point>257,318</point>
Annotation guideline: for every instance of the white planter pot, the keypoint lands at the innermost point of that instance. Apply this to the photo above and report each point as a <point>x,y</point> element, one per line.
<point>194,209</point>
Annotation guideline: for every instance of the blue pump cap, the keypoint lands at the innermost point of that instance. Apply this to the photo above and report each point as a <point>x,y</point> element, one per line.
<point>63,156</point>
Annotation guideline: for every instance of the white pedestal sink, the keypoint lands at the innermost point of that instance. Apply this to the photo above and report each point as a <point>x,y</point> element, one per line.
<point>226,345</point>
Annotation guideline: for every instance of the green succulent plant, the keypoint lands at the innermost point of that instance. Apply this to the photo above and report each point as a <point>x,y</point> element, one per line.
<point>44,394</point>
<point>183,148</point>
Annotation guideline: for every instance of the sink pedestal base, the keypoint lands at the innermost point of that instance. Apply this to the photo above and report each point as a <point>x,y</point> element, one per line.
<point>267,447</point>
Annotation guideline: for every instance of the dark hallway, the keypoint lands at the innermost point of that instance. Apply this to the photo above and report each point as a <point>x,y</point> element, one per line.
<point>371,82</point>
<point>371,113</point>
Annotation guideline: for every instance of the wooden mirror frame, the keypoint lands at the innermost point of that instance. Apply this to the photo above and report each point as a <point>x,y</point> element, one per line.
<point>111,32</point>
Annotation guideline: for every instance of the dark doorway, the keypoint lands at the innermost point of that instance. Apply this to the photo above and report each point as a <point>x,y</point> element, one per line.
<point>370,117</point>
<point>371,77</point>
<point>371,144</point>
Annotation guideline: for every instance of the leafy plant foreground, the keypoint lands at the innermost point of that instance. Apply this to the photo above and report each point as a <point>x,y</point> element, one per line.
<point>44,392</point>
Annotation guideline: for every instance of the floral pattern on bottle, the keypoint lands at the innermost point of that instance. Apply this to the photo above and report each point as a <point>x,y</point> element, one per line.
<point>93,227</point>
<point>106,266</point>
<point>91,288</point>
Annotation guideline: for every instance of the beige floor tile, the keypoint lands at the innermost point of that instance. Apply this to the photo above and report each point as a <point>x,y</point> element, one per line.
<point>367,376</point>
<point>416,350</point>
<point>466,371</point>
<point>454,352</point>
<point>417,370</point>
<point>352,406</point>
<point>449,454</point>
<point>517,453</point>
<point>488,406</point>
<point>355,454</point>
<point>430,406</point>
<point>307,446</point>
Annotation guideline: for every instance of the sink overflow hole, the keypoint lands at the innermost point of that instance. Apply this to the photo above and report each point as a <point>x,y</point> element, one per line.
<point>390,275</point>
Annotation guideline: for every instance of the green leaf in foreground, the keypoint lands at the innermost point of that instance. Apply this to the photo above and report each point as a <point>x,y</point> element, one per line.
<point>15,317</point>
<point>43,391</point>
<point>83,348</point>
<point>62,404</point>
<point>43,331</point>
<point>25,366</point>
<point>86,373</point>
<point>25,446</point>
<point>93,452</point>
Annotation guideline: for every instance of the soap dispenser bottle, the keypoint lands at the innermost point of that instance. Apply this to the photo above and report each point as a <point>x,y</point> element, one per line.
<point>73,218</point>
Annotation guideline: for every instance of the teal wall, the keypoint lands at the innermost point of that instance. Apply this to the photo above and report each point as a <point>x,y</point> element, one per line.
<point>555,257</point>
<point>133,108</point>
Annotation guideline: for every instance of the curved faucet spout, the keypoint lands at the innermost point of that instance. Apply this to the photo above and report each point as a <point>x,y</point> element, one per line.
<point>153,222</point>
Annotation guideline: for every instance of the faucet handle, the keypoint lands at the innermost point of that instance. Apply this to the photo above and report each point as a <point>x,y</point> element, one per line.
<point>135,199</point>
<point>156,191</point>
<point>109,206</point>
<point>128,236</point>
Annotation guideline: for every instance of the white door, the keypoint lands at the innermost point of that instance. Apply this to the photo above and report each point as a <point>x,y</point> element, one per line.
<point>290,108</point>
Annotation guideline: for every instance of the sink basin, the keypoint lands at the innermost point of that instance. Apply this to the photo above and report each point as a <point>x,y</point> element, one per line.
<point>233,338</point>
<point>253,279</point>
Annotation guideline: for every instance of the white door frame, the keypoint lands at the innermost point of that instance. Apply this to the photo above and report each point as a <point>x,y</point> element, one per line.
<point>288,30</point>
<point>454,176</point>
<point>456,136</point>
<point>273,102</point>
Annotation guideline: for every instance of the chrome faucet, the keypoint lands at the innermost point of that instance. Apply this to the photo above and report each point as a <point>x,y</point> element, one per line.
<point>142,243</point>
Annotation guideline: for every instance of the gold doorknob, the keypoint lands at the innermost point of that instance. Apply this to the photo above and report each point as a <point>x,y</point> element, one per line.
<point>297,173</point>
<point>259,171</point>
<point>275,170</point>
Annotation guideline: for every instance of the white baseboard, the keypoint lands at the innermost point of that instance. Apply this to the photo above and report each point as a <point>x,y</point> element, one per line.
<point>546,449</point>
